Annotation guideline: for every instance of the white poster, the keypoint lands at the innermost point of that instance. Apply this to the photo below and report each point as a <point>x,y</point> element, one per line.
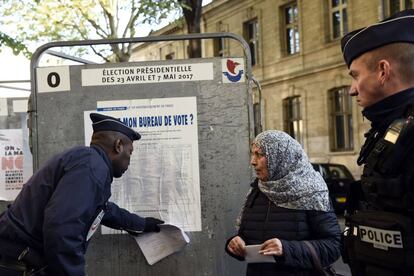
<point>147,74</point>
<point>163,177</point>
<point>16,162</point>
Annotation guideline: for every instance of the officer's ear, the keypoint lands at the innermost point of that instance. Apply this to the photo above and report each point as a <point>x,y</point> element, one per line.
<point>384,70</point>
<point>118,145</point>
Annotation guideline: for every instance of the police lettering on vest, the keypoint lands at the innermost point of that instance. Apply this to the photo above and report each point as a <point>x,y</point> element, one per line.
<point>381,238</point>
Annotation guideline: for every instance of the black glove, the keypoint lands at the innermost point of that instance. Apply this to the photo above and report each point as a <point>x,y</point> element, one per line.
<point>151,224</point>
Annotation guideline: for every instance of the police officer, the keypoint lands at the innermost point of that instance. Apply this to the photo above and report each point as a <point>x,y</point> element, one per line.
<point>379,239</point>
<point>46,230</point>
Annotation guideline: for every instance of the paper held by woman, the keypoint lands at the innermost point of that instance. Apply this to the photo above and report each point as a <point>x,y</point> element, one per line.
<point>253,255</point>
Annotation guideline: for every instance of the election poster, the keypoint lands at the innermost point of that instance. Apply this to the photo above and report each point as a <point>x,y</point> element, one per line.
<point>147,74</point>
<point>16,162</point>
<point>163,177</point>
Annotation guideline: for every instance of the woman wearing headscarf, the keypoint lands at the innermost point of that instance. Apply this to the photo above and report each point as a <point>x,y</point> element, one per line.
<point>288,204</point>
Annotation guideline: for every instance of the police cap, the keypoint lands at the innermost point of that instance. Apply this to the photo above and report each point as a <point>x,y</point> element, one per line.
<point>397,28</point>
<point>102,122</point>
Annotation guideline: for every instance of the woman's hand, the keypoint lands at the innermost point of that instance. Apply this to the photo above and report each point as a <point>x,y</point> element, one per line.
<point>237,246</point>
<point>272,247</point>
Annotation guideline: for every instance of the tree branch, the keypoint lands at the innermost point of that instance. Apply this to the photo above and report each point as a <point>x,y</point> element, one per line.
<point>99,54</point>
<point>100,31</point>
<point>111,21</point>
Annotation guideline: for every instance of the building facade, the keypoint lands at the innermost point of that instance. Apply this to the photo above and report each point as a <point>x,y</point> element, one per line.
<point>296,56</point>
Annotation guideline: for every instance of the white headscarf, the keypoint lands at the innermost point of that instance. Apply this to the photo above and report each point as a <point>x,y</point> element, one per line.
<point>293,183</point>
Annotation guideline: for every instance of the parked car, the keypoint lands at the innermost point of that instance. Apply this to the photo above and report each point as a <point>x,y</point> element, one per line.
<point>337,178</point>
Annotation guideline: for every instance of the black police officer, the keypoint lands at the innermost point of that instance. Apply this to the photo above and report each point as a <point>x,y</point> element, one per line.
<point>48,226</point>
<point>379,239</point>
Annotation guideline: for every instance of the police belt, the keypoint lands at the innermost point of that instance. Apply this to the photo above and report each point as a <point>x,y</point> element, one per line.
<point>17,255</point>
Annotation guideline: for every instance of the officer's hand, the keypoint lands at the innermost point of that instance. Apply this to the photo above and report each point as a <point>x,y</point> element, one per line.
<point>151,224</point>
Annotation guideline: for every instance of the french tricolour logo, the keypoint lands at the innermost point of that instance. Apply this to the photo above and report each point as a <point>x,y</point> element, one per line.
<point>233,70</point>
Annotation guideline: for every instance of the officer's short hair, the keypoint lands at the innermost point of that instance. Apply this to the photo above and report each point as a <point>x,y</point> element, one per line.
<point>400,54</point>
<point>107,139</point>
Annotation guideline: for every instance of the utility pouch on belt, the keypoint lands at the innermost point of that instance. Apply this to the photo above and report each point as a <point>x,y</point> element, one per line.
<point>381,239</point>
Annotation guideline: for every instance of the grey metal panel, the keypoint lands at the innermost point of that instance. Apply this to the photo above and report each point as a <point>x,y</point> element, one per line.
<point>224,135</point>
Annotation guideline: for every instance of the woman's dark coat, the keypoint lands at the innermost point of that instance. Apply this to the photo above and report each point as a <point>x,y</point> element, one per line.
<point>262,220</point>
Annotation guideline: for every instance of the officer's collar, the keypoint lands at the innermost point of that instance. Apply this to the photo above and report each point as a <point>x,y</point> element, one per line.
<point>384,112</point>
<point>105,157</point>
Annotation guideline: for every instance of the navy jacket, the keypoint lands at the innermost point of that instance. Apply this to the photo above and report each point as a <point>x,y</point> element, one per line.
<point>61,205</point>
<point>263,220</point>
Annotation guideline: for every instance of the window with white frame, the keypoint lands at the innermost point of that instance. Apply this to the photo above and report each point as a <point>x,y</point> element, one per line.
<point>338,18</point>
<point>291,28</point>
<point>341,131</point>
<point>292,118</point>
<point>250,32</point>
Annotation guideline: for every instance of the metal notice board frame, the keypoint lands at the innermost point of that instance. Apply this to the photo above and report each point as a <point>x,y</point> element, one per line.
<point>225,130</point>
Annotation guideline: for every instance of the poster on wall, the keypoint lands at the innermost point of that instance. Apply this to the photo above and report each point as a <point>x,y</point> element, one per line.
<point>163,177</point>
<point>16,162</point>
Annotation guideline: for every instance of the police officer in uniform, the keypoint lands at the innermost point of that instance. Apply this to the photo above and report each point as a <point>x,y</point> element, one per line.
<point>46,230</point>
<point>379,238</point>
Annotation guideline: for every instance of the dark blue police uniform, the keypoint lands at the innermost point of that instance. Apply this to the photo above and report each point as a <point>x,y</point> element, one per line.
<point>59,208</point>
<point>379,239</point>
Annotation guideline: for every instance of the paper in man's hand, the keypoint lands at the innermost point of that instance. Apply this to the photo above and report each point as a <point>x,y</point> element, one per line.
<point>156,246</point>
